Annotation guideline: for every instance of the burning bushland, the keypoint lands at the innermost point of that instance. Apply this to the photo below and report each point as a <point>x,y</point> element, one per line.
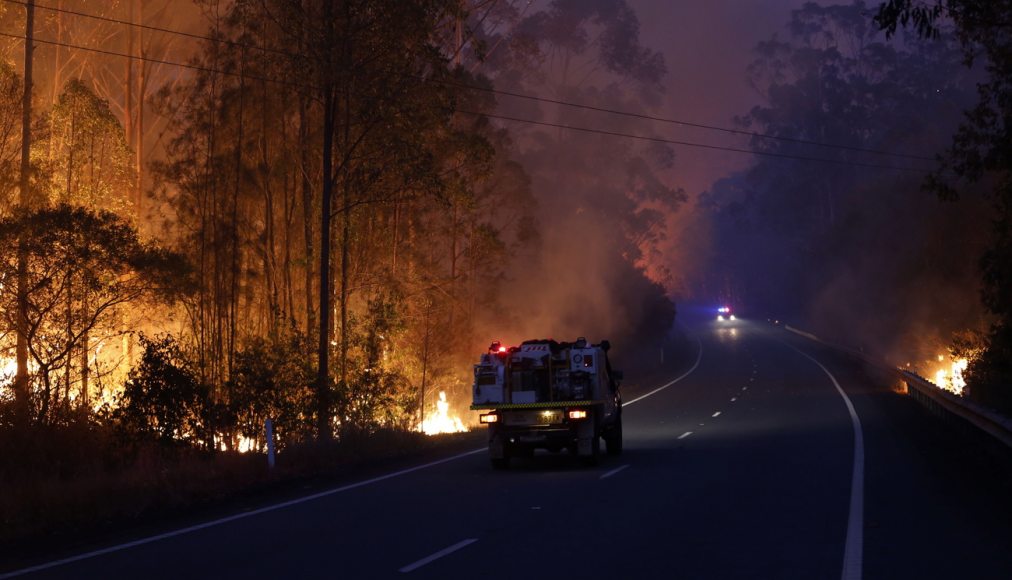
<point>307,212</point>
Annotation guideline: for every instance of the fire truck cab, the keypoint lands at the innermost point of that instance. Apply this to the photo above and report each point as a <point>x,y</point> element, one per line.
<point>549,395</point>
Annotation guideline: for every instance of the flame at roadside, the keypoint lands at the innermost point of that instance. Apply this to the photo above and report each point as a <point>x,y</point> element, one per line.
<point>950,377</point>
<point>442,421</point>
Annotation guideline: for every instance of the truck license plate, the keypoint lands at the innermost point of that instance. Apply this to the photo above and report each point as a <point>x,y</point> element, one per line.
<point>545,417</point>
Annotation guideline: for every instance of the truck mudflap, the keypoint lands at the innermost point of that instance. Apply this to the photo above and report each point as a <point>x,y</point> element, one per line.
<point>496,446</point>
<point>587,440</point>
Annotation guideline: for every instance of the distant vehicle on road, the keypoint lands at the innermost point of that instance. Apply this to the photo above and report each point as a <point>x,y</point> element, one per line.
<point>549,395</point>
<point>724,313</point>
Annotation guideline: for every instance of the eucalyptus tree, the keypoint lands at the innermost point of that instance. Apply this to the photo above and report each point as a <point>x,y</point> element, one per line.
<point>90,163</point>
<point>330,116</point>
<point>10,138</point>
<point>82,268</point>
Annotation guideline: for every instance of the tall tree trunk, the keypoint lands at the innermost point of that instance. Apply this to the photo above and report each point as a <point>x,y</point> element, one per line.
<point>323,370</point>
<point>233,305</point>
<point>138,137</point>
<point>22,405</point>
<point>128,87</point>
<point>70,158</point>
<point>85,347</point>
<point>345,265</point>
<point>453,264</point>
<point>57,61</point>
<point>346,184</point>
<point>396,233</point>
<point>307,212</point>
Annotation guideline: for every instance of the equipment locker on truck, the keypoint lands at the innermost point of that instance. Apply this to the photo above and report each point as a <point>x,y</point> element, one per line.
<point>549,395</point>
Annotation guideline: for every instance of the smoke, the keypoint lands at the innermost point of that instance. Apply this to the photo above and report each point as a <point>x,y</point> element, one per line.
<point>863,256</point>
<point>911,282</point>
<point>603,203</point>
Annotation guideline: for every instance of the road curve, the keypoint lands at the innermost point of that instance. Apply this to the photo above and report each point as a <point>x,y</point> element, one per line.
<point>742,466</point>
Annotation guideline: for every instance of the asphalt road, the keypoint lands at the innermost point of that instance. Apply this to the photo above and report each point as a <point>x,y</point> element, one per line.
<point>751,465</point>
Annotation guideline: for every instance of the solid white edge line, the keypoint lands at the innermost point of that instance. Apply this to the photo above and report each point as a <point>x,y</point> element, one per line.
<point>613,472</point>
<point>699,357</point>
<point>854,546</point>
<point>438,555</point>
<point>232,518</point>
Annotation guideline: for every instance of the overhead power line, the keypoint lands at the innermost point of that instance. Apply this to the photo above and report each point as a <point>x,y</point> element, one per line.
<point>559,102</point>
<point>159,61</point>
<point>503,117</point>
<point>696,145</point>
<point>149,27</point>
<point>647,117</point>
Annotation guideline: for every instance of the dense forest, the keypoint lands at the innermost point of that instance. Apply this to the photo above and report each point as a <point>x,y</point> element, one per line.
<point>859,247</point>
<point>221,212</point>
<point>306,211</point>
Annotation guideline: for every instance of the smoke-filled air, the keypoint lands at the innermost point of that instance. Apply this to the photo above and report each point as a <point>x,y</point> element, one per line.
<point>234,226</point>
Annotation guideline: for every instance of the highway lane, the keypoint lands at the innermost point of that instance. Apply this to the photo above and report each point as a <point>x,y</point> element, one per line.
<point>742,469</point>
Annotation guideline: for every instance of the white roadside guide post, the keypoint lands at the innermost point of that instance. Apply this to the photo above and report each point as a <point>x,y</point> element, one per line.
<point>269,428</point>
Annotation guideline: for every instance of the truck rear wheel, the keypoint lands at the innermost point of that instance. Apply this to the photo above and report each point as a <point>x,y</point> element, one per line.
<point>613,440</point>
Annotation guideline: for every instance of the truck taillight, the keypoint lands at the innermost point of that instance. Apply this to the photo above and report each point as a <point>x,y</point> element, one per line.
<point>575,414</point>
<point>489,418</point>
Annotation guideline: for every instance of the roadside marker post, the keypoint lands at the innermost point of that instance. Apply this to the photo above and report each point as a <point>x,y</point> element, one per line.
<point>269,428</point>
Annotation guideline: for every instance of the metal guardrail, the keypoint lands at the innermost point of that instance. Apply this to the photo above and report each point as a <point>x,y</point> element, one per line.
<point>930,395</point>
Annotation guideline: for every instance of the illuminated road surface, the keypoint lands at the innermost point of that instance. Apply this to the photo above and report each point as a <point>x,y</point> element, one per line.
<point>741,469</point>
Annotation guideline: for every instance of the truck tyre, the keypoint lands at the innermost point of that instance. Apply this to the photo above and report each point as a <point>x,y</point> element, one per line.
<point>613,441</point>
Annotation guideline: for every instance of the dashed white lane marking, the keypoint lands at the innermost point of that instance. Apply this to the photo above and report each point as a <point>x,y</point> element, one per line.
<point>733,399</point>
<point>438,555</point>
<point>853,548</point>
<point>699,357</point>
<point>684,435</point>
<point>613,472</point>
<point>232,518</point>
<point>744,388</point>
<point>717,414</point>
<point>751,379</point>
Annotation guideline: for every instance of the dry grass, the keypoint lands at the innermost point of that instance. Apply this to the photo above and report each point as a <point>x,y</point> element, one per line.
<point>82,481</point>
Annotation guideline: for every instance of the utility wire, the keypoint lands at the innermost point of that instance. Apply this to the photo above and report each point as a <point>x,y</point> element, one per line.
<point>160,61</point>
<point>630,114</point>
<point>154,28</point>
<point>685,123</point>
<point>503,117</point>
<point>691,144</point>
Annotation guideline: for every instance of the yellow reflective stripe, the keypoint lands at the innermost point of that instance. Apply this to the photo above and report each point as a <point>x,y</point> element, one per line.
<point>543,405</point>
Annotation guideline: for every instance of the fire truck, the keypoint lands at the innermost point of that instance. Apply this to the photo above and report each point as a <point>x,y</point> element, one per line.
<point>549,395</point>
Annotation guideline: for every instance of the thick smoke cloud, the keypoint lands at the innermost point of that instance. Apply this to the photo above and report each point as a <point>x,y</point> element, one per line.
<point>855,253</point>
<point>602,202</point>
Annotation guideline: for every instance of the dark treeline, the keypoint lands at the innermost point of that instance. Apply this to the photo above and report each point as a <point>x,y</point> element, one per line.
<point>858,253</point>
<point>339,225</point>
